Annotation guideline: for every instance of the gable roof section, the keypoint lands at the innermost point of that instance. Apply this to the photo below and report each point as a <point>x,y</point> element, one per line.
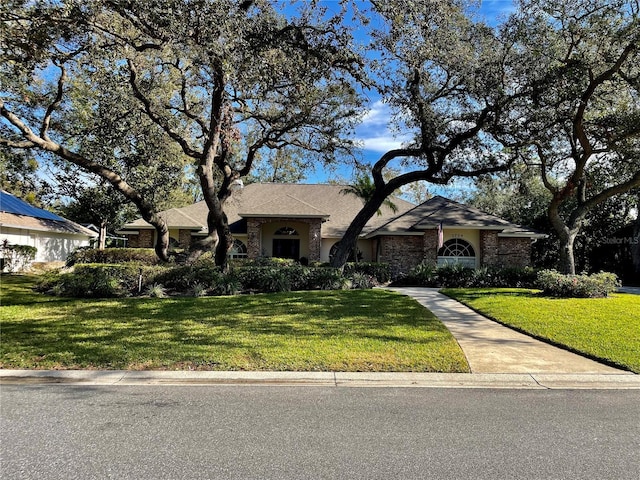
<point>284,200</point>
<point>284,206</point>
<point>16,213</point>
<point>451,214</point>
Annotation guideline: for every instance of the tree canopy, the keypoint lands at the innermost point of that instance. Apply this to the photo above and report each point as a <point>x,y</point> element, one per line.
<point>216,82</point>
<point>443,74</point>
<point>577,121</point>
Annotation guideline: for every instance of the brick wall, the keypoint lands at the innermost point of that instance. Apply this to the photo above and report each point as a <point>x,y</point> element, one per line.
<point>504,251</point>
<point>184,238</point>
<point>489,248</point>
<point>430,247</point>
<point>402,253</point>
<point>514,252</point>
<point>143,239</point>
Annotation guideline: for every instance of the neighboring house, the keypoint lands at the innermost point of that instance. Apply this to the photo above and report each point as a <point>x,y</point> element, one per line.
<point>54,237</point>
<point>296,221</point>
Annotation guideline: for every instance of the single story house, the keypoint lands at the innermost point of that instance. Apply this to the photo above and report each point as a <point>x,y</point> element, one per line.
<point>54,237</point>
<point>296,221</point>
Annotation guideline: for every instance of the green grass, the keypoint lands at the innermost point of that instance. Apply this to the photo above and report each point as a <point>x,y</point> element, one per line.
<point>603,328</point>
<point>357,330</point>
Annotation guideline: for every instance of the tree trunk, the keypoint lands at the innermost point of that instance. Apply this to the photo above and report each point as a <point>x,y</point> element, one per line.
<point>567,235</point>
<point>635,248</point>
<point>567,258</point>
<point>102,235</point>
<point>349,240</point>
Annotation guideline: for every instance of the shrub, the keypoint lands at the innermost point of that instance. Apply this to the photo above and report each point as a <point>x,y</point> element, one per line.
<point>17,258</point>
<point>228,284</point>
<point>380,271</point>
<point>97,281</point>
<point>424,274</point>
<point>325,278</point>
<point>578,286</point>
<point>361,280</point>
<point>428,275</point>
<point>143,256</point>
<point>156,291</point>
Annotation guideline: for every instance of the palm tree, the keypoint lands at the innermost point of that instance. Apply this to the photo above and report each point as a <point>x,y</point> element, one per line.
<point>364,189</point>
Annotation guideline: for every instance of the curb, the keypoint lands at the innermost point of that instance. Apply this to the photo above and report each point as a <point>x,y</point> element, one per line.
<point>540,381</point>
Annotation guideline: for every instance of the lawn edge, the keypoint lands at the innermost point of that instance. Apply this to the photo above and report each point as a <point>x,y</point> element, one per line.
<point>541,338</point>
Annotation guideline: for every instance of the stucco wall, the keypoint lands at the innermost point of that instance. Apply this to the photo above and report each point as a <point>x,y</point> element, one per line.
<point>51,246</point>
<point>261,232</point>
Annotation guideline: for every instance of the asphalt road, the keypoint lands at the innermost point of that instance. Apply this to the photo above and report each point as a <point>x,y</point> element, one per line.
<point>243,432</point>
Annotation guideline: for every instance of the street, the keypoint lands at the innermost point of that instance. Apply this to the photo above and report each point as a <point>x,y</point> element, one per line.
<point>294,432</point>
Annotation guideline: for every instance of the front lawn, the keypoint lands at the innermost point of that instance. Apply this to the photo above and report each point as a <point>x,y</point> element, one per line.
<point>347,330</point>
<point>604,328</point>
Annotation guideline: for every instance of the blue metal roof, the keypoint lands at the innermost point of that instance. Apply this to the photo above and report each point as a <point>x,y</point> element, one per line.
<point>12,204</point>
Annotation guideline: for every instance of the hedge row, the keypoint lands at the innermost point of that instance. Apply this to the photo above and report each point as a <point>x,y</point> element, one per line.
<point>457,276</point>
<point>203,278</point>
<point>144,256</point>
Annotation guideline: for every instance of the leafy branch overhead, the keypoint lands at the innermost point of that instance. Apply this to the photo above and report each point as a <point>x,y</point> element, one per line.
<point>220,81</point>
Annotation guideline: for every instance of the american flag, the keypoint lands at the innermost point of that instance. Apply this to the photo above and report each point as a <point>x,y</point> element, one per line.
<point>440,236</point>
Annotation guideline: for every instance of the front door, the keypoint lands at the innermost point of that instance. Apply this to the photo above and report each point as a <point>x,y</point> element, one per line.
<point>286,248</point>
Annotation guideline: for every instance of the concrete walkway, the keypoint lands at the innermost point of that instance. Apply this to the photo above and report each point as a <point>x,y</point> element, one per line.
<point>494,348</point>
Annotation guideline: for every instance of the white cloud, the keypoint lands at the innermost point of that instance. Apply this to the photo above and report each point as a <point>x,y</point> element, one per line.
<point>374,133</point>
<point>382,143</point>
<point>378,114</point>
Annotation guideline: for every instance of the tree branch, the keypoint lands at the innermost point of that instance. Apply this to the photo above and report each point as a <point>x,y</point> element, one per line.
<point>157,119</point>
<point>46,121</point>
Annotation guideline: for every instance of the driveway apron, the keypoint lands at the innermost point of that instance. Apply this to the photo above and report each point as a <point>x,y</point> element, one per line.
<point>494,348</point>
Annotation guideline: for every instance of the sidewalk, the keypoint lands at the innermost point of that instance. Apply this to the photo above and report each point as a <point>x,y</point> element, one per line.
<point>494,348</point>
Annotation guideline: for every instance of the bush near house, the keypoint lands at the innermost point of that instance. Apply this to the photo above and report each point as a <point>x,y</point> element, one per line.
<point>15,258</point>
<point>457,276</point>
<point>597,285</point>
<point>203,278</point>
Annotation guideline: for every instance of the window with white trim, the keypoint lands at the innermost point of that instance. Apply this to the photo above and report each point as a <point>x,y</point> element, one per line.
<point>457,251</point>
<point>238,249</point>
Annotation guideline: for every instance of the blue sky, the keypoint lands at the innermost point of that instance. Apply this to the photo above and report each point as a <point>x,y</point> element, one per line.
<point>374,133</point>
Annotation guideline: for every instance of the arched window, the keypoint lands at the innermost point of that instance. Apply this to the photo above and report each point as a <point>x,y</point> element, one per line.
<point>457,251</point>
<point>287,231</point>
<point>238,249</point>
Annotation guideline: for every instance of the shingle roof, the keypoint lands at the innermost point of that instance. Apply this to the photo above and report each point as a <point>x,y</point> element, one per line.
<point>337,210</point>
<point>290,201</point>
<point>439,210</point>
